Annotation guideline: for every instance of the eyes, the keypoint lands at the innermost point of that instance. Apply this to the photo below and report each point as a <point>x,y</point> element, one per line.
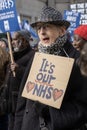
<point>44,26</point>
<point>77,38</point>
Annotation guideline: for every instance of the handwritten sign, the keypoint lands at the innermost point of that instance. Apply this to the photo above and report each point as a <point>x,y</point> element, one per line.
<point>48,79</point>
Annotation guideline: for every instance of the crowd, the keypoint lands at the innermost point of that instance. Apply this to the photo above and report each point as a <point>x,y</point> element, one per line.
<point>19,113</point>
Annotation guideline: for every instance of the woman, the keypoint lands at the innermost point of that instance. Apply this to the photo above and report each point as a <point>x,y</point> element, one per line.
<point>4,59</point>
<point>83,60</point>
<point>80,37</point>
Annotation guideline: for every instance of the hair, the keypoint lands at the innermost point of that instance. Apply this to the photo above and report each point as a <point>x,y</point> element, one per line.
<point>83,60</point>
<point>24,38</point>
<point>4,59</point>
<point>5,40</point>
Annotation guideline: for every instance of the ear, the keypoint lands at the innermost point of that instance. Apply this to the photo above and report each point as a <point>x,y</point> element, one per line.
<point>62,30</point>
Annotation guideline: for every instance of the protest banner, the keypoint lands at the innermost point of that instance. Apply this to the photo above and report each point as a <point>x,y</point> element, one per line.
<point>48,79</point>
<point>8,21</point>
<point>74,19</point>
<point>26,25</point>
<point>8,16</point>
<point>82,8</point>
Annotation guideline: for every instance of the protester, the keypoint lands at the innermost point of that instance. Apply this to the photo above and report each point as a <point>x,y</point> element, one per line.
<point>79,42</point>
<point>80,37</point>
<point>83,60</point>
<point>4,43</point>
<point>21,49</point>
<point>4,59</point>
<point>33,115</point>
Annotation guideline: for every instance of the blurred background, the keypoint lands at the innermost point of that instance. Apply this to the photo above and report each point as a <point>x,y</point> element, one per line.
<point>29,9</point>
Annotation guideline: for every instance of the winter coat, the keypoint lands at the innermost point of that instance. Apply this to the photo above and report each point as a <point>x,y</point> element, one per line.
<point>4,59</point>
<point>21,59</point>
<point>11,86</point>
<point>72,113</point>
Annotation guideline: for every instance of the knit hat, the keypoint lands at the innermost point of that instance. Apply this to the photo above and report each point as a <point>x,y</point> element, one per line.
<point>81,31</point>
<point>50,15</point>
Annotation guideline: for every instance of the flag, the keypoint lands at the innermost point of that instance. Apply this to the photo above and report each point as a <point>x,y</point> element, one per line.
<point>26,25</point>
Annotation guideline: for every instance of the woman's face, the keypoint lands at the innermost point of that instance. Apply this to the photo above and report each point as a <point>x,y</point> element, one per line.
<point>3,44</point>
<point>48,33</point>
<point>78,42</point>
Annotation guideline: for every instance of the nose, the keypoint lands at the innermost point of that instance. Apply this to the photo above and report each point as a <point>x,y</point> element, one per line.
<point>12,42</point>
<point>42,30</point>
<point>74,43</point>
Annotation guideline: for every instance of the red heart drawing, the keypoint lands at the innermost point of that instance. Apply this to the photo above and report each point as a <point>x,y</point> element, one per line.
<point>57,94</point>
<point>29,86</point>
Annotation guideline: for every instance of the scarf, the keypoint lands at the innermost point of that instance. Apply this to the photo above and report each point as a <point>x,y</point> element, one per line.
<point>54,48</point>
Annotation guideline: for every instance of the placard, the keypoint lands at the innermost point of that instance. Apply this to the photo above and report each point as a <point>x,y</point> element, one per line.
<point>48,79</point>
<point>82,8</point>
<point>74,19</point>
<point>8,16</point>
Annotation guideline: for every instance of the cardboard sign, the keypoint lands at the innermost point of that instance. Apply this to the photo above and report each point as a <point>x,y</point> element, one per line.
<point>48,79</point>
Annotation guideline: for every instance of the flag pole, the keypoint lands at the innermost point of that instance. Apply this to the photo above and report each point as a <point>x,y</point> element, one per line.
<point>10,50</point>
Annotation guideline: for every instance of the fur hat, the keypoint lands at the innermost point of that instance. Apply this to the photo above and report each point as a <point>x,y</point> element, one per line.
<point>81,31</point>
<point>50,15</point>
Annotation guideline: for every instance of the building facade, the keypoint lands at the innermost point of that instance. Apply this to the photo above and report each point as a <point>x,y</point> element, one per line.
<point>29,9</point>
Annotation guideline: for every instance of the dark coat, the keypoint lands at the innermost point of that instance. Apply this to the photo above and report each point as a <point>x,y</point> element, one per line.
<point>72,112</point>
<point>21,58</point>
<point>9,92</point>
<point>4,60</point>
<point>11,86</point>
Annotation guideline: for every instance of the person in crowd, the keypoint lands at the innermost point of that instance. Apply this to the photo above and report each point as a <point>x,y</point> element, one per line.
<point>83,60</point>
<point>33,115</point>
<point>21,49</point>
<point>4,51</point>
<point>4,60</point>
<point>79,40</point>
<point>4,43</point>
<point>80,37</point>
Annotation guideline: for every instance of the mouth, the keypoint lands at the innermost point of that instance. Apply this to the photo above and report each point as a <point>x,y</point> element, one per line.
<point>46,40</point>
<point>77,48</point>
